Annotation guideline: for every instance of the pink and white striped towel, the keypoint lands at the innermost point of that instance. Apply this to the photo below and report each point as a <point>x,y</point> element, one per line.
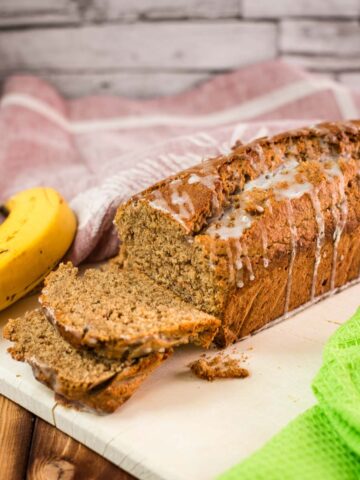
<point>98,151</point>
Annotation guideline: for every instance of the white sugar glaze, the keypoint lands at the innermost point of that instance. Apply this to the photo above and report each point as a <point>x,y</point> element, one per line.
<point>264,238</point>
<point>294,242</point>
<point>238,261</point>
<point>160,203</point>
<point>339,211</point>
<point>239,265</point>
<point>236,220</point>
<point>183,200</point>
<point>194,179</point>
<point>261,156</point>
<point>249,268</point>
<point>320,238</point>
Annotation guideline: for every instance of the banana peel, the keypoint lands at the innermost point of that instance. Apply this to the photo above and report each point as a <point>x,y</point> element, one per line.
<point>36,234</point>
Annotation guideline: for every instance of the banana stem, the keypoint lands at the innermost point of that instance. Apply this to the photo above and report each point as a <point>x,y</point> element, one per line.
<point>4,212</point>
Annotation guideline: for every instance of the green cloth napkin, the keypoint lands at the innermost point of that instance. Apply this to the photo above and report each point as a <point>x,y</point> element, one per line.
<point>323,442</point>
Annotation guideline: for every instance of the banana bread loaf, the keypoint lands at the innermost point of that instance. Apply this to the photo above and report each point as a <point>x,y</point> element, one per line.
<point>252,236</point>
<point>79,377</point>
<point>121,313</point>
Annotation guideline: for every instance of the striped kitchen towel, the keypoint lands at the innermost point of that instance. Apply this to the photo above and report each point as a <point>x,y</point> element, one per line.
<point>98,151</point>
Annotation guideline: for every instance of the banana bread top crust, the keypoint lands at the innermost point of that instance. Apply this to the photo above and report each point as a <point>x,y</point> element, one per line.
<point>196,196</point>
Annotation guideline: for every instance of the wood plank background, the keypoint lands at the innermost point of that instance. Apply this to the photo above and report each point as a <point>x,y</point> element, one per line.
<point>153,47</point>
<point>35,450</point>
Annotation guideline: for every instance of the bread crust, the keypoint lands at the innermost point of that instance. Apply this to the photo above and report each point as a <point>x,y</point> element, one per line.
<point>105,397</point>
<point>258,292</point>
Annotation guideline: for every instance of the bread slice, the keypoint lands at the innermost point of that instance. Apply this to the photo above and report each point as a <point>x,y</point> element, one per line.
<point>121,313</point>
<point>79,377</point>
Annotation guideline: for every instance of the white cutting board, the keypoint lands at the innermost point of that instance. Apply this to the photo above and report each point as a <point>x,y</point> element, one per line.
<point>179,427</point>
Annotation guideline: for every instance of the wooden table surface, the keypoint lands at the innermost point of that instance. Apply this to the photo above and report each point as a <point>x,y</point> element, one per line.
<point>31,448</point>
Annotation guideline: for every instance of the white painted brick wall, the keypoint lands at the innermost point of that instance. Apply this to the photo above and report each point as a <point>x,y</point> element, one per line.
<point>175,45</point>
<point>323,38</point>
<point>153,47</point>
<point>162,9</point>
<point>134,84</point>
<point>301,8</point>
<point>34,12</point>
<point>336,65</point>
<point>31,6</point>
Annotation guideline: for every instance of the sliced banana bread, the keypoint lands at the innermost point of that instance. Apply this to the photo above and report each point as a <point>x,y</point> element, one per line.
<point>121,313</point>
<point>254,235</point>
<point>78,376</point>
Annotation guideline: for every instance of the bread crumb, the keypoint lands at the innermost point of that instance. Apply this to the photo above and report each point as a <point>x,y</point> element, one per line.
<point>219,366</point>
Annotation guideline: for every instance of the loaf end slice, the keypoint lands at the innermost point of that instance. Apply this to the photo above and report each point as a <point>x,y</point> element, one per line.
<point>79,378</point>
<point>121,313</point>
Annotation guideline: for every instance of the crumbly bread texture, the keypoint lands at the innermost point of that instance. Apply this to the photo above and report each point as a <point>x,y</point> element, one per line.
<point>121,313</point>
<point>218,366</point>
<point>254,235</point>
<point>79,378</point>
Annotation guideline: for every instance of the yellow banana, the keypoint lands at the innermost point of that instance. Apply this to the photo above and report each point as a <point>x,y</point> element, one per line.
<point>36,234</point>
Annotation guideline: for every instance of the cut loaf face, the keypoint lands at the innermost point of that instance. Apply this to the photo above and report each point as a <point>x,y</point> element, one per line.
<point>121,313</point>
<point>252,236</point>
<point>80,378</point>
